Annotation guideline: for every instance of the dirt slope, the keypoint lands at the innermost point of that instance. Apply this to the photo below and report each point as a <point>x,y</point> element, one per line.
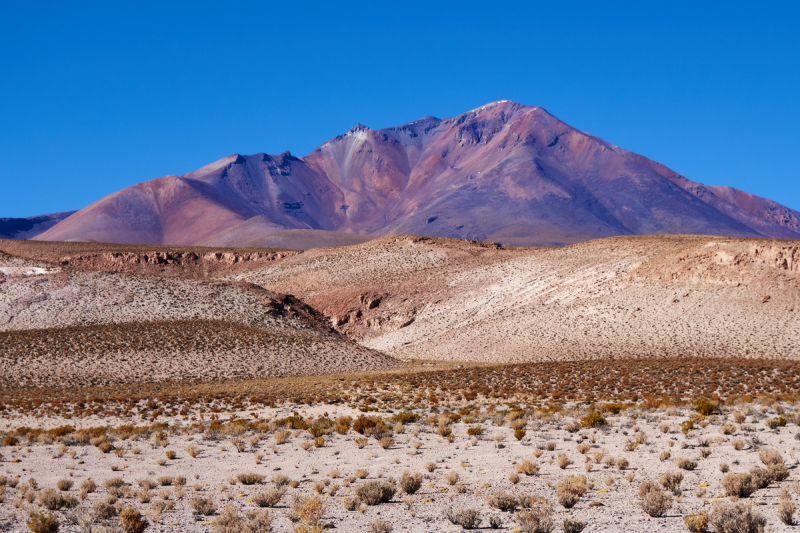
<point>59,323</point>
<point>433,298</point>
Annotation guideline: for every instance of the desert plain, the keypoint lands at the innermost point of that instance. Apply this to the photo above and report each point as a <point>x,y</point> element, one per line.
<point>407,383</point>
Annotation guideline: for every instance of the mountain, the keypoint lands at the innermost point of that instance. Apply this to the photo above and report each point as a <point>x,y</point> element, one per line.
<point>504,172</point>
<point>27,228</point>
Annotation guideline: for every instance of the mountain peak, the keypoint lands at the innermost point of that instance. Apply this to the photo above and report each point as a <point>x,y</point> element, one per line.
<point>503,172</point>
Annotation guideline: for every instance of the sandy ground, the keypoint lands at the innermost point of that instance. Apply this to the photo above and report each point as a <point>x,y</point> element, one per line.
<point>483,465</point>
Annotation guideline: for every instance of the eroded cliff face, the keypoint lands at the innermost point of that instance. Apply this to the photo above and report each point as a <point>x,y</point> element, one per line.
<point>182,264</point>
<point>726,262</point>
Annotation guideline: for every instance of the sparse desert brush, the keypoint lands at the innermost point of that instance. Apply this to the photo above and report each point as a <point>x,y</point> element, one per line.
<point>430,466</point>
<point>551,446</point>
<point>513,478</point>
<point>42,523</point>
<point>621,463</point>
<point>379,526</point>
<point>739,485</point>
<point>593,419</point>
<point>361,473</point>
<point>570,489</point>
<point>64,484</point>
<point>736,518</point>
<point>467,518</point>
<point>538,518</point>
<point>376,492</point>
<point>770,456</point>
<point>52,500</point>
<point>203,506</point>
<point>727,429</point>
<point>519,434</point>
<point>250,478</point>
<point>655,501</point>
<point>738,444</point>
<point>269,497</point>
<point>697,522</point>
<point>684,463</point>
<point>166,481</point>
<point>774,423</point>
<point>583,447</point>
<point>573,525</point>
<point>146,483</point>
<point>529,468</point>
<point>451,478</point>
<point>671,481</point>
<point>666,454</point>
<point>563,461</point>
<point>281,437</point>
<point>386,442</point>
<point>502,501</point>
<point>705,407</point>
<point>113,482</point>
<point>132,521</point>
<point>360,441</point>
<point>474,431</point>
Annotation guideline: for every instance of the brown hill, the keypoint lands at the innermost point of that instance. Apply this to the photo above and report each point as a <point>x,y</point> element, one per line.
<point>68,324</point>
<point>504,172</point>
<point>434,298</point>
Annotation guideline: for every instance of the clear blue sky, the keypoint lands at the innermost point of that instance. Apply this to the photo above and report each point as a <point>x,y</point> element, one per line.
<point>98,96</point>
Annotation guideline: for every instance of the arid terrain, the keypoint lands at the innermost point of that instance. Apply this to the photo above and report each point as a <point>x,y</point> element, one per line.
<point>402,384</point>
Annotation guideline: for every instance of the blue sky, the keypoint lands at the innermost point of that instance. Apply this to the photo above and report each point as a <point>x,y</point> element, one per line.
<point>98,96</point>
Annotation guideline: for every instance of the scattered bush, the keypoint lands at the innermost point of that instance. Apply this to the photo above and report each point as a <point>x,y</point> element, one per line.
<point>655,501</point>
<point>410,483</point>
<point>739,485</point>
<point>203,506</point>
<point>250,478</point>
<point>573,525</point>
<point>64,484</point>
<point>697,522</point>
<point>671,481</point>
<point>593,419</point>
<point>537,519</point>
<point>466,518</point>
<point>475,431</point>
<point>379,526</point>
<point>52,500</point>
<point>375,492</point>
<point>193,451</point>
<point>132,521</point>
<point>563,461</point>
<point>42,523</point>
<point>786,510</point>
<point>269,497</point>
<point>736,518</point>
<point>503,501</point>
<point>451,478</point>
<point>570,489</point>
<point>705,408</point>
<point>529,468</point>
<point>684,463</point>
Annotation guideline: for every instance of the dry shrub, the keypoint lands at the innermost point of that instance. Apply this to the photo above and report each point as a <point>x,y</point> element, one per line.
<point>379,526</point>
<point>671,481</point>
<point>529,468</point>
<point>361,473</point>
<point>503,501</point>
<point>376,492</point>
<point>761,477</point>
<point>193,451</point>
<point>727,429</point>
<point>570,489</point>
<point>203,506</point>
<point>386,442</point>
<point>786,510</point>
<point>250,478</point>
<point>513,478</point>
<point>269,497</point>
<point>655,501</point>
<point>697,522</point>
<point>573,525</point>
<point>537,519</point>
<point>309,511</point>
<point>113,483</point>
<point>563,461</point>
<point>280,480</point>
<point>621,463</point>
<point>770,456</point>
<point>684,463</point>
<point>410,483</point>
<point>736,518</point>
<point>132,521</point>
<point>738,444</point>
<point>430,466</point>
<point>42,523</point>
<point>52,500</point>
<point>229,521</point>
<point>466,518</point>
<point>593,419</point>
<point>64,484</point>
<point>451,478</point>
<point>281,437</point>
<point>739,485</point>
